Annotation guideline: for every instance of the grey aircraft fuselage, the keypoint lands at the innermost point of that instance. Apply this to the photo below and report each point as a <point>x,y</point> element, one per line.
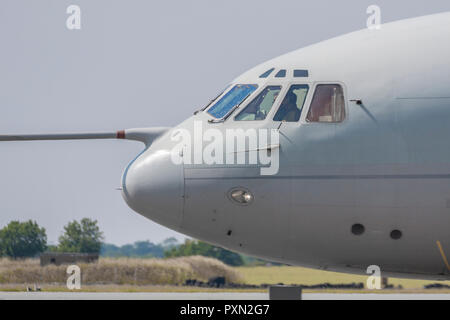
<point>385,167</point>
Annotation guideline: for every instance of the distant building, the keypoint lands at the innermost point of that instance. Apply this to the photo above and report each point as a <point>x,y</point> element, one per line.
<point>58,258</point>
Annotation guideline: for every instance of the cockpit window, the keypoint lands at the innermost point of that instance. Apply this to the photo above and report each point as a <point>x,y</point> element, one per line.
<point>292,105</point>
<point>281,74</point>
<point>231,99</point>
<point>327,104</point>
<point>213,100</point>
<point>301,73</point>
<point>261,105</point>
<point>267,73</point>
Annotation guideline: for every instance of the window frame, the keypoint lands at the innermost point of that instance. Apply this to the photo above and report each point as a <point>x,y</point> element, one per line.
<point>286,86</point>
<point>305,111</point>
<point>274,105</point>
<point>213,101</point>
<point>283,74</point>
<point>261,86</point>
<point>244,102</point>
<point>269,73</point>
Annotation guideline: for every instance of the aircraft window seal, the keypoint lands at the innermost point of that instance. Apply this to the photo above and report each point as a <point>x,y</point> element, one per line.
<point>281,73</point>
<point>229,113</point>
<point>267,73</point>
<point>301,73</point>
<point>234,97</point>
<point>327,105</point>
<point>291,107</point>
<point>211,101</point>
<point>260,106</point>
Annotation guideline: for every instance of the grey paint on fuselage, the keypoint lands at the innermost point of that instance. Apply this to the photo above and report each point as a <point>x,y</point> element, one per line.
<point>387,166</point>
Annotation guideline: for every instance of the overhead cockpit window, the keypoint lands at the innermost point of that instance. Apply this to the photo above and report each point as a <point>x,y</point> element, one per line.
<point>231,99</point>
<point>281,74</point>
<point>267,73</point>
<point>292,105</point>
<point>261,105</point>
<point>328,104</point>
<point>301,73</point>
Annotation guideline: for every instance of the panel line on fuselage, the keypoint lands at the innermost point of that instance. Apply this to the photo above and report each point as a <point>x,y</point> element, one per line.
<point>332,177</point>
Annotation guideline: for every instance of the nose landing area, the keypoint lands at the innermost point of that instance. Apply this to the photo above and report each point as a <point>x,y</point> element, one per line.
<point>154,187</point>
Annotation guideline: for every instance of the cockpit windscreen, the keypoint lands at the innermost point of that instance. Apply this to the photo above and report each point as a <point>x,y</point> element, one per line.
<point>232,98</point>
<point>261,105</point>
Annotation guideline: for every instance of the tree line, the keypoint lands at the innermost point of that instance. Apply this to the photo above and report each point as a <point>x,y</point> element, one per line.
<point>28,239</point>
<point>139,249</point>
<point>171,248</point>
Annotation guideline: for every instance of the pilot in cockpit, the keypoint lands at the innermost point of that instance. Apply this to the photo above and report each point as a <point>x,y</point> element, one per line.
<point>288,110</point>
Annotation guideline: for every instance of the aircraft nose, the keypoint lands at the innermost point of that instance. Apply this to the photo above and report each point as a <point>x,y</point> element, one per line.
<point>153,186</point>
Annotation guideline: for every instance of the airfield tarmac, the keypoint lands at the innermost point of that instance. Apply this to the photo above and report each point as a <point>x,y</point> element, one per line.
<point>212,296</point>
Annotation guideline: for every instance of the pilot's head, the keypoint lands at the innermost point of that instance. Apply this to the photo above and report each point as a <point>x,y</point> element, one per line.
<point>291,99</point>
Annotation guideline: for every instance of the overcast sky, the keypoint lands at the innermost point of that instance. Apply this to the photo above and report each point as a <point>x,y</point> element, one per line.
<point>132,64</point>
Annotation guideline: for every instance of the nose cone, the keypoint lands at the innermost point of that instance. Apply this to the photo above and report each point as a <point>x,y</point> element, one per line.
<point>153,186</point>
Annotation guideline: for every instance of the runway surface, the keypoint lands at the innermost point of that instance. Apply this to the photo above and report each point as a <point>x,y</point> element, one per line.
<point>210,296</point>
